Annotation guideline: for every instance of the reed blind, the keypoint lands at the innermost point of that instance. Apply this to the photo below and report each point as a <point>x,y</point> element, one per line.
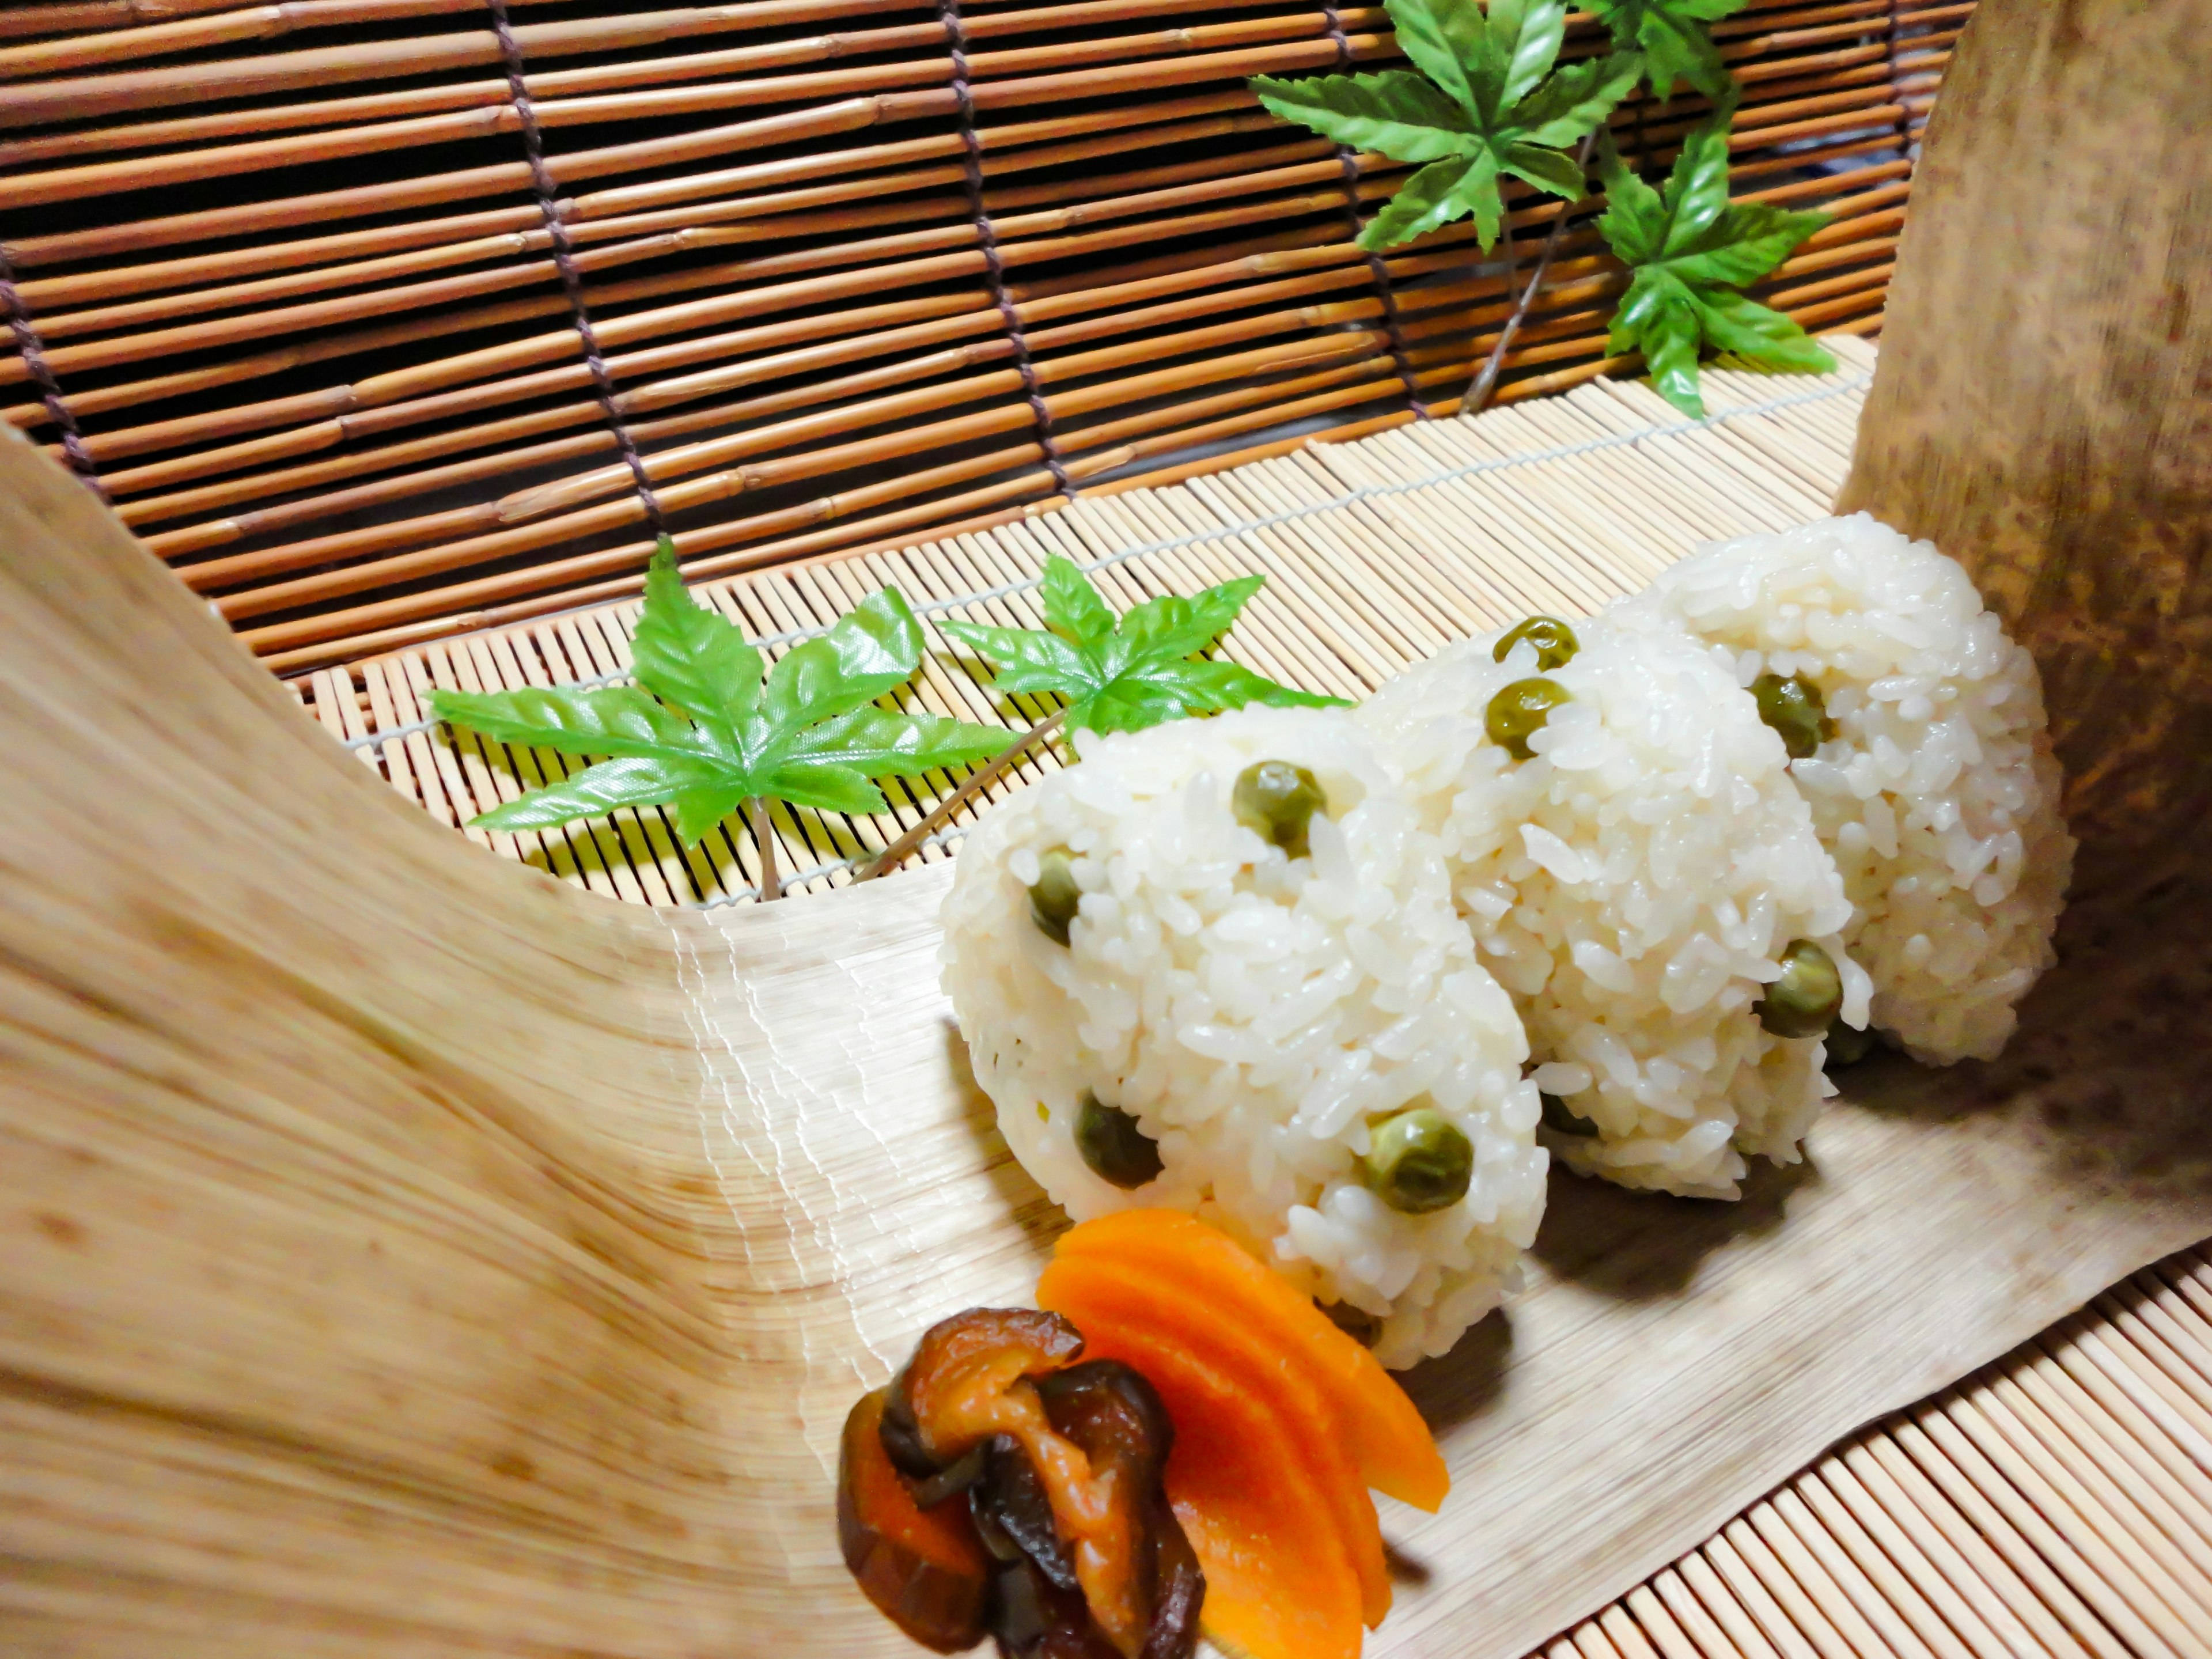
<point>384,320</point>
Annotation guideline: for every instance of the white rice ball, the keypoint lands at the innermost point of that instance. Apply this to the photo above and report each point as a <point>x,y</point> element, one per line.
<point>1937,793</point>
<point>1253,1012</point>
<point>1634,885</point>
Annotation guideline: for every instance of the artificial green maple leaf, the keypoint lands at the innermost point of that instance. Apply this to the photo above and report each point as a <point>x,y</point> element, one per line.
<point>1672,36</point>
<point>1491,105</point>
<point>701,732</point>
<point>1123,674</point>
<point>1688,249</point>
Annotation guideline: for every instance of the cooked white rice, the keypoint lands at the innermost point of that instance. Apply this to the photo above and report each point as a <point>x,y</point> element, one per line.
<point>1633,886</point>
<point>1938,794</point>
<point>1253,1012</point>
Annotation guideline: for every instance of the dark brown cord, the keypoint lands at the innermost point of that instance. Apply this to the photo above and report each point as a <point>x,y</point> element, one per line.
<point>956,35</point>
<point>564,261</point>
<point>42,372</point>
<point>1904,110</point>
<point>1348,160</point>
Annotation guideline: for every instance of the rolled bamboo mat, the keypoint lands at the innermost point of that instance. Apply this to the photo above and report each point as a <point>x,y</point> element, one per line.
<point>357,308</point>
<point>2058,1501</point>
<point>1376,553</point>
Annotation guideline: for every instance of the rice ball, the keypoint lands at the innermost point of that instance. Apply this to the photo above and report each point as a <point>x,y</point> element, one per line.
<point>1932,785</point>
<point>1635,882</point>
<point>1251,1023</point>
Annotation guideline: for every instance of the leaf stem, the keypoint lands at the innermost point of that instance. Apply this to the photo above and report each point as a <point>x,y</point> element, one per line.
<point>977,782</point>
<point>1478,394</point>
<point>771,887</point>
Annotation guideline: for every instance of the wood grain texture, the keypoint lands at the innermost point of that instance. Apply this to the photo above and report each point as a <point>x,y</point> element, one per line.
<point>2043,405</point>
<point>409,1254</point>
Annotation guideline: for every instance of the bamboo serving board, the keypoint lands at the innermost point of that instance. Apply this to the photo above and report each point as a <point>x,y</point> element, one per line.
<point>415,1254</point>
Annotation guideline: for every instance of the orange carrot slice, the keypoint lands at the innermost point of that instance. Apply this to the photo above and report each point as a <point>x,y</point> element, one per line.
<point>1279,1582</point>
<point>1392,1446</point>
<point>1115,1294</point>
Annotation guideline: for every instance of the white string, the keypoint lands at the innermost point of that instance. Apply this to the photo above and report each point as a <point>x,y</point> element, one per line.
<point>1365,493</point>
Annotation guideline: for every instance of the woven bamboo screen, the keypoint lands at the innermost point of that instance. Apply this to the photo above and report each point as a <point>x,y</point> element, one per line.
<point>382,320</point>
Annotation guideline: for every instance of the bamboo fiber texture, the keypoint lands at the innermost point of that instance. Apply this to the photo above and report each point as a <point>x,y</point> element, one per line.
<point>2063,441</point>
<point>410,1254</point>
<point>376,316</point>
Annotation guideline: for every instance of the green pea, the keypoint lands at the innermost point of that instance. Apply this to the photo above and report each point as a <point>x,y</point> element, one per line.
<point>1518,712</point>
<point>1847,1046</point>
<point>1053,896</point>
<point>1277,800</point>
<point>1114,1147</point>
<point>1554,640</point>
<point>1805,1000</point>
<point>1417,1161</point>
<point>1563,1120</point>
<point>1795,709</point>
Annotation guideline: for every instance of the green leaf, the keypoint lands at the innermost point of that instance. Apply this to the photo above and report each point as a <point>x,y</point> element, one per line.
<point>1688,249</point>
<point>1142,672</point>
<point>1027,659</point>
<point>1171,626</point>
<point>618,720</point>
<point>1761,335</point>
<point>597,789</point>
<point>1577,98</point>
<point>1696,190</point>
<point>1423,203</point>
<point>700,808</point>
<point>1441,37</point>
<point>1547,169</point>
<point>1072,608</point>
<point>1528,35</point>
<point>1496,106</point>
<point>826,786</point>
<point>1672,36</point>
<point>872,648</point>
<point>1634,222</point>
<point>1745,243</point>
<point>880,743</point>
<point>1396,112</point>
<point>691,657</point>
<point>716,736</point>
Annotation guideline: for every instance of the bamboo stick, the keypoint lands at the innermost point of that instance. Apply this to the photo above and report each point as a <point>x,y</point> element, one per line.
<point>93,97</point>
<point>246,23</point>
<point>211,224</point>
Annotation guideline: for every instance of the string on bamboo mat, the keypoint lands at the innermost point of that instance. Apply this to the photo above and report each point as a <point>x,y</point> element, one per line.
<point>955,36</point>
<point>1896,87</point>
<point>564,261</point>
<point>42,375</point>
<point>1347,160</point>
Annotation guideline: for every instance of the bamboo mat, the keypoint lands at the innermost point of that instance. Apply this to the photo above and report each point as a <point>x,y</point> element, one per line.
<point>2058,1502</point>
<point>1376,554</point>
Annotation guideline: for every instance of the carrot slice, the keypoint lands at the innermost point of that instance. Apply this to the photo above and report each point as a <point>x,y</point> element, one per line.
<point>924,1568</point>
<point>1280,1581</point>
<point>1393,1447</point>
<point>1115,1295</point>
